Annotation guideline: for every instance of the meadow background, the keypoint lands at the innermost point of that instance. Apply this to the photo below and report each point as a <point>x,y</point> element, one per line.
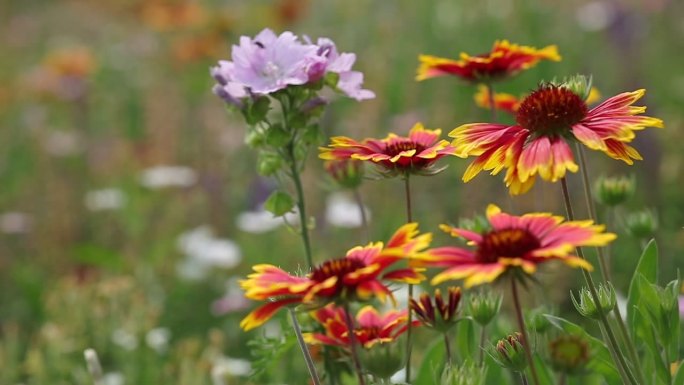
<point>126,188</point>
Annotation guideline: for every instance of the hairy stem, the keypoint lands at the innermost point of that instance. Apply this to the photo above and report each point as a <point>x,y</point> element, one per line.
<point>482,344</point>
<point>353,342</point>
<point>628,378</point>
<point>490,96</point>
<point>521,325</point>
<point>409,331</point>
<point>294,170</point>
<point>305,350</point>
<point>447,346</point>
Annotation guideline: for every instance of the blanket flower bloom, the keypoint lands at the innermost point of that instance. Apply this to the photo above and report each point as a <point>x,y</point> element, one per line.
<point>357,276</point>
<point>371,327</point>
<point>515,244</point>
<point>547,121</point>
<point>440,315</point>
<point>395,154</point>
<point>269,63</point>
<point>504,60</point>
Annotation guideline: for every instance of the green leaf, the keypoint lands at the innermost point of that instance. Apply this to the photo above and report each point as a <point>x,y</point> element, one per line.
<point>647,335</point>
<point>433,364</point>
<point>257,110</point>
<point>466,343</point>
<point>543,371</point>
<point>679,377</point>
<point>277,136</point>
<point>648,267</point>
<point>279,203</point>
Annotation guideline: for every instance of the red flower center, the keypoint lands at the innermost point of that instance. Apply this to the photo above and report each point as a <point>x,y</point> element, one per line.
<point>506,243</point>
<point>336,268</point>
<point>551,111</point>
<point>396,148</point>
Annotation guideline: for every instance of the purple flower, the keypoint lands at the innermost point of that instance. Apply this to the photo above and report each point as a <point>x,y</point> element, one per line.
<point>269,63</point>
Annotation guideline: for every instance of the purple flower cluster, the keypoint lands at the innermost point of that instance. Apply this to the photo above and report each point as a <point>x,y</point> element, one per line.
<point>269,63</point>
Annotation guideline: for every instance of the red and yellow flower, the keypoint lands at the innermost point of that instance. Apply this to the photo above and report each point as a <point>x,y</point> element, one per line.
<point>510,103</point>
<point>357,276</point>
<point>504,60</point>
<point>441,314</point>
<point>514,243</point>
<point>416,153</point>
<point>546,122</point>
<point>371,327</point>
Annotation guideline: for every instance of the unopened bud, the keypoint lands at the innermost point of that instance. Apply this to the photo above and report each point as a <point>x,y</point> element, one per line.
<point>615,190</point>
<point>348,173</point>
<point>484,306</point>
<point>569,354</point>
<point>641,224</point>
<point>466,374</point>
<point>509,352</point>
<point>586,305</point>
<point>382,360</point>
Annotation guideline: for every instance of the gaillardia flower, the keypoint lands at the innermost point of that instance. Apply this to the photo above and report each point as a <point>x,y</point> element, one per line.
<point>357,276</point>
<point>440,315</point>
<point>514,244</point>
<point>371,327</point>
<point>505,60</point>
<point>416,153</point>
<point>547,121</point>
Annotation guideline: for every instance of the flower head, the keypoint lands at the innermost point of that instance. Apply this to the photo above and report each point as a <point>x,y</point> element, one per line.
<point>440,315</point>
<point>547,121</point>
<point>509,352</point>
<point>395,154</point>
<point>614,191</point>
<point>357,276</point>
<point>372,327</point>
<point>569,354</point>
<point>504,60</point>
<point>269,63</point>
<point>514,244</point>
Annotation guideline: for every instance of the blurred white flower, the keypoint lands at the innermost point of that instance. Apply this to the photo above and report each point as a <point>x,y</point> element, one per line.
<point>124,339</point>
<point>203,251</point>
<point>233,299</point>
<point>595,16</point>
<point>398,377</point>
<point>262,221</point>
<point>341,211</point>
<point>62,143</point>
<point>168,176</point>
<point>15,223</point>
<point>225,367</point>
<point>157,339</point>
<point>105,199</point>
<point>113,378</point>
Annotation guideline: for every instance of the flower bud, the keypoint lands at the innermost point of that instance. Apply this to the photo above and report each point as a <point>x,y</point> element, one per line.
<point>441,315</point>
<point>580,85</point>
<point>348,173</point>
<point>614,191</point>
<point>484,306</point>
<point>569,354</point>
<point>466,374</point>
<point>382,360</point>
<point>536,320</point>
<point>587,306</point>
<point>509,352</point>
<point>641,224</point>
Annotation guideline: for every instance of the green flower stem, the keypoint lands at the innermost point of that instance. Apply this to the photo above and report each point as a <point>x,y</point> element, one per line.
<point>521,325</point>
<point>294,171</point>
<point>409,330</point>
<point>626,374</point>
<point>482,344</point>
<point>447,346</point>
<point>364,219</point>
<point>605,270</point>
<point>492,104</point>
<point>352,342</point>
<point>523,378</point>
<point>620,369</point>
<point>305,350</point>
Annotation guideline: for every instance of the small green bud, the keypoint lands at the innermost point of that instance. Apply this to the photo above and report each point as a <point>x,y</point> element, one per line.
<point>255,138</point>
<point>536,320</point>
<point>268,163</point>
<point>569,354</point>
<point>348,173</point>
<point>382,360</point>
<point>484,306</point>
<point>641,224</point>
<point>509,353</point>
<point>586,305</point>
<point>466,374</point>
<point>580,85</point>
<point>614,191</point>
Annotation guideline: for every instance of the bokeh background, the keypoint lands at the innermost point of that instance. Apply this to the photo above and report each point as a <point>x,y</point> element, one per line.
<point>130,206</point>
